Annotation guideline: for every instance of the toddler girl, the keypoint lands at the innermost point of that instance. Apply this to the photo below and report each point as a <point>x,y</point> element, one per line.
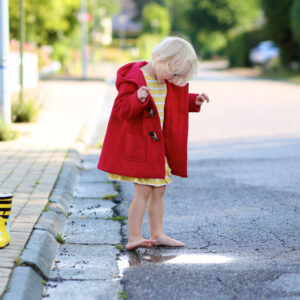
<point>146,137</point>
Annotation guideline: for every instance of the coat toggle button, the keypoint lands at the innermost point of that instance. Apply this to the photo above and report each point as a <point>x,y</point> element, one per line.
<point>151,112</point>
<point>154,136</point>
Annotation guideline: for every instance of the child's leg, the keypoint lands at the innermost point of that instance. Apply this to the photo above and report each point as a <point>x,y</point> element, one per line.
<point>156,213</point>
<point>135,217</point>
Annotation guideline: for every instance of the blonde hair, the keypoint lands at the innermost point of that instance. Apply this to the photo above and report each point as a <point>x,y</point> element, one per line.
<point>179,55</point>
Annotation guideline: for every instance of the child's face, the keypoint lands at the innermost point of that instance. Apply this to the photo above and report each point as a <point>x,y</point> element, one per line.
<point>162,74</point>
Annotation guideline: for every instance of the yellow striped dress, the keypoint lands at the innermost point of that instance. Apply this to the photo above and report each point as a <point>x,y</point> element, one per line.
<point>158,93</point>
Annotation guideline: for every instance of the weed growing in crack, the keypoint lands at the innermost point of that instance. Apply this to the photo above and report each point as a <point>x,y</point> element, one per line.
<point>46,208</point>
<point>119,247</point>
<point>122,295</point>
<point>60,239</point>
<point>109,196</point>
<point>117,218</point>
<point>117,186</point>
<point>18,261</point>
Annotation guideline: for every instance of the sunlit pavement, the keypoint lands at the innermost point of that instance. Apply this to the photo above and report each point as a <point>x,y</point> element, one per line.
<point>238,212</point>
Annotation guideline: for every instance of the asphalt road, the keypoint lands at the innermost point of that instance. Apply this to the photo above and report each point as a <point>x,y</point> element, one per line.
<point>238,213</point>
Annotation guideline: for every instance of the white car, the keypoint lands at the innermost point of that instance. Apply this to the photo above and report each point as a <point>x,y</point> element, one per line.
<point>263,53</point>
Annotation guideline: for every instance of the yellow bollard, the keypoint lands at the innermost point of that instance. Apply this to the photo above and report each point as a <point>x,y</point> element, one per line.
<point>5,210</point>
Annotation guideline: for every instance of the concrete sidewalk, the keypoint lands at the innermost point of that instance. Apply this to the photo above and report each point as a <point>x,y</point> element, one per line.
<point>30,165</point>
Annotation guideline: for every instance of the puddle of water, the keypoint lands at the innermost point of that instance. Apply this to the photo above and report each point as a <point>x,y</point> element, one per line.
<point>134,259</point>
<point>200,259</point>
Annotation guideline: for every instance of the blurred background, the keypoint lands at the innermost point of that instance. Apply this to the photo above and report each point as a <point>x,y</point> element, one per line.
<point>80,38</point>
<point>119,31</point>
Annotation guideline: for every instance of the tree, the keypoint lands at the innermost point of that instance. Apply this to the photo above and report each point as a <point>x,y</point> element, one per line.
<point>177,10</point>
<point>295,20</point>
<point>140,5</point>
<point>45,21</point>
<point>210,20</point>
<point>279,28</point>
<point>156,19</point>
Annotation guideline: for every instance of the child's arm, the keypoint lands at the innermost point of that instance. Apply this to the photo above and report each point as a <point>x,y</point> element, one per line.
<point>127,104</point>
<point>196,100</point>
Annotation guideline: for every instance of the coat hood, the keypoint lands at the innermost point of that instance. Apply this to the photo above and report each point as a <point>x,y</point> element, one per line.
<point>131,72</point>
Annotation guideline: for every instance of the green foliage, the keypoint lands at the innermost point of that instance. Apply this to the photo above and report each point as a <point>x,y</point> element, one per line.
<point>295,20</point>
<point>140,4</point>
<point>240,42</point>
<point>178,13</point>
<point>24,111</point>
<point>6,133</point>
<point>213,42</point>
<point>278,25</point>
<point>45,21</point>
<point>156,19</point>
<point>146,43</point>
<point>210,20</point>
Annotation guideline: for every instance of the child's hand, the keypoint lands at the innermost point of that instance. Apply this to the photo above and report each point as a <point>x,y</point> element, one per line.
<point>142,93</point>
<point>201,98</point>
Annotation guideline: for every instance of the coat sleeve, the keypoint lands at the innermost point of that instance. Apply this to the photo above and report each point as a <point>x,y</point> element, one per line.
<point>127,105</point>
<point>192,103</point>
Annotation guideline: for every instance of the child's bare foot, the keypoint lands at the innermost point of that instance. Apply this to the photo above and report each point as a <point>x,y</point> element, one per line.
<point>132,244</point>
<point>167,241</point>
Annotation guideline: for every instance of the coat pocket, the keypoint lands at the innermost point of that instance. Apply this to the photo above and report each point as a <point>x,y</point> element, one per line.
<point>135,147</point>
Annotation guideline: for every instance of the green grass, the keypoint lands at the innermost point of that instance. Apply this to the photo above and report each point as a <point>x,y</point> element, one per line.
<point>25,111</point>
<point>109,196</point>
<point>117,186</point>
<point>18,261</point>
<point>119,247</point>
<point>60,239</point>
<point>46,208</point>
<point>117,218</point>
<point>122,295</point>
<point>6,133</point>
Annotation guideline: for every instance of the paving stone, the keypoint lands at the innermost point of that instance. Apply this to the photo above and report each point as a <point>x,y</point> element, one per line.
<point>83,231</point>
<point>78,290</point>
<point>92,208</point>
<point>94,190</point>
<point>85,262</point>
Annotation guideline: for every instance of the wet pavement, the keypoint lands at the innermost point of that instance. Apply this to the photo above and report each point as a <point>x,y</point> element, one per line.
<point>241,228</point>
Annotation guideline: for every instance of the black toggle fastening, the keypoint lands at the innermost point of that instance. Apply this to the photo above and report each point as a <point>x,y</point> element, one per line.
<point>154,136</point>
<point>151,112</point>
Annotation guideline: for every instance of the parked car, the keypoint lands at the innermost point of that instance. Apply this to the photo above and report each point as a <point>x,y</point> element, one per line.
<point>263,53</point>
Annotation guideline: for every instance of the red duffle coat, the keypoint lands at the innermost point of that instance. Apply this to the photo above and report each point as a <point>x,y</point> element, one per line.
<point>134,143</point>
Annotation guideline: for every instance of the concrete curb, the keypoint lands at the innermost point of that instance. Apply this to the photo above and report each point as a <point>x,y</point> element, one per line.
<point>27,284</point>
